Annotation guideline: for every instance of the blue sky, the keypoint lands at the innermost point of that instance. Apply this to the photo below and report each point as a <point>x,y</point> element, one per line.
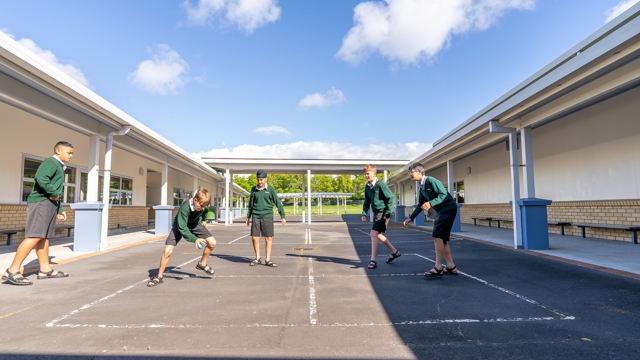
<point>312,78</point>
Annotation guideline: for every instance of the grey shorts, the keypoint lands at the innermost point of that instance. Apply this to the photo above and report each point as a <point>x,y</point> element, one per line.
<point>262,227</point>
<point>379,222</point>
<point>175,235</point>
<point>41,219</point>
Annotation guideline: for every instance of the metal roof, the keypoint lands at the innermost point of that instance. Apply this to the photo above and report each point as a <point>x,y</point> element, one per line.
<point>299,166</point>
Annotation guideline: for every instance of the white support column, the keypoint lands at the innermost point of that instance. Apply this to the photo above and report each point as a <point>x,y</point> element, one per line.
<point>107,180</point>
<point>303,197</point>
<point>527,157</point>
<point>450,178</point>
<point>309,196</point>
<point>515,179</point>
<point>386,176</point>
<point>195,185</point>
<point>164,189</point>
<point>231,213</point>
<point>93,167</point>
<point>226,197</point>
<point>345,205</point>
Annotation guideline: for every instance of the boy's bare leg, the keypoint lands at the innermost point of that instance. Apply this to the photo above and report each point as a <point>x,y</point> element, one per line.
<point>42,251</point>
<point>439,245</point>
<point>22,252</point>
<point>164,260</point>
<point>256,245</point>
<point>446,252</point>
<point>383,239</point>
<point>211,243</point>
<point>267,247</point>
<point>374,244</point>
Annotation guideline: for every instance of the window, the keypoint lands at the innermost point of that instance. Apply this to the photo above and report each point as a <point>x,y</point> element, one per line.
<point>120,190</point>
<point>180,195</point>
<point>84,185</point>
<point>30,166</point>
<point>458,188</point>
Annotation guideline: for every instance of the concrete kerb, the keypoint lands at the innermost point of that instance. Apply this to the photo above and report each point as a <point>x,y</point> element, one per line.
<point>542,255</point>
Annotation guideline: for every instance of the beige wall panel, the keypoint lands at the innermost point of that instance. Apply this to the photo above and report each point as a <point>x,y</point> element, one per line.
<point>591,155</point>
<point>490,178</point>
<point>178,179</point>
<point>127,164</point>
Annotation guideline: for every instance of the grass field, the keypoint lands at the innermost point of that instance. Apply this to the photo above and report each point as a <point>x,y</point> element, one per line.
<point>326,209</point>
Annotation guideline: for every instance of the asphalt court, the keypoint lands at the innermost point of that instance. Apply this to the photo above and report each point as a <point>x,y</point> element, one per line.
<point>321,283</point>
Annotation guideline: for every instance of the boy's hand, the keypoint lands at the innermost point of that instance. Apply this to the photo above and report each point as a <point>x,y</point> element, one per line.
<point>426,206</point>
<point>284,221</point>
<point>204,223</point>
<point>364,219</point>
<point>62,216</point>
<point>54,198</point>
<point>200,242</point>
<point>247,221</point>
<point>406,222</point>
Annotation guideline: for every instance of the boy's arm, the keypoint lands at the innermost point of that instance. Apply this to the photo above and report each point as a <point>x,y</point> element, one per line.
<point>367,202</point>
<point>250,205</point>
<point>43,177</point>
<point>391,199</point>
<point>276,199</point>
<point>440,190</point>
<point>418,209</point>
<point>182,219</point>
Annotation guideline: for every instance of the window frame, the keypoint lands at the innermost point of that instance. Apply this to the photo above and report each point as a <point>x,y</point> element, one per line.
<point>41,159</point>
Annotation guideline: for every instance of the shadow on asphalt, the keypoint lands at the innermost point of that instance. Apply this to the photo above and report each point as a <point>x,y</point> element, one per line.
<point>354,264</point>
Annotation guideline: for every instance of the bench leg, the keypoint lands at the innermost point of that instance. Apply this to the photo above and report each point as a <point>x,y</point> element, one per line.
<point>489,222</point>
<point>9,239</point>
<point>498,223</point>
<point>582,231</point>
<point>634,236</point>
<point>562,230</point>
<point>69,232</point>
<point>474,221</point>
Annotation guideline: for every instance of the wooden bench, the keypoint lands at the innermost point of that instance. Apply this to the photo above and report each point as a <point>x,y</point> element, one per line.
<point>562,224</point>
<point>634,229</point>
<point>489,219</point>
<point>10,233</point>
<point>68,227</point>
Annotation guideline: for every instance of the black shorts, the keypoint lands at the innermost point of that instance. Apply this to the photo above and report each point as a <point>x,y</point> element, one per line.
<point>379,222</point>
<point>175,236</point>
<point>444,223</point>
<point>262,227</point>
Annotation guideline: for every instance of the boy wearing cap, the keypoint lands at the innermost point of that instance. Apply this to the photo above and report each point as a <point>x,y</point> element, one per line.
<point>261,201</point>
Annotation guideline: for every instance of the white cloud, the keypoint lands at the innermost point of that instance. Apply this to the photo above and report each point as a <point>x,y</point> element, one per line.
<point>332,97</point>
<point>322,150</point>
<point>50,57</point>
<point>164,73</point>
<point>248,15</point>
<point>619,9</point>
<point>270,130</point>
<point>409,31</point>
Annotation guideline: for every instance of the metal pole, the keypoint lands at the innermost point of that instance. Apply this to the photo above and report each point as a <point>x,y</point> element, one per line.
<point>527,156</point>
<point>309,196</point>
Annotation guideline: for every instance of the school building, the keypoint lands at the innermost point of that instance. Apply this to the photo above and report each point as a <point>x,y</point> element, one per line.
<point>559,152</point>
<point>40,105</point>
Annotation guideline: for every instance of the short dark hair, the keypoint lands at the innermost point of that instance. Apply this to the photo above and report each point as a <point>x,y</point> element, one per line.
<point>62,143</point>
<point>416,166</point>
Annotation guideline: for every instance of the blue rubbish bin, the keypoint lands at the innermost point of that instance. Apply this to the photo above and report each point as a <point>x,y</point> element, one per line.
<point>419,220</point>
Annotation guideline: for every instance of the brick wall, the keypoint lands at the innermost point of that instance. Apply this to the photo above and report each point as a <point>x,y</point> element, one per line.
<point>15,217</point>
<point>619,212</point>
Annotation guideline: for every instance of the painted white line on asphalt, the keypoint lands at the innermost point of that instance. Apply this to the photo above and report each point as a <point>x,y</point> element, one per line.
<point>362,231</point>
<point>84,307</point>
<point>232,241</point>
<point>395,323</point>
<point>309,236</point>
<point>524,298</point>
<point>313,307</point>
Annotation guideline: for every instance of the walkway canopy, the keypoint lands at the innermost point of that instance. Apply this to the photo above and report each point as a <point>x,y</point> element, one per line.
<point>230,166</point>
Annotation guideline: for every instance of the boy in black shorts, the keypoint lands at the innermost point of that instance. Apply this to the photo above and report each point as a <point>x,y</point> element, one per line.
<point>378,195</point>
<point>434,196</point>
<point>261,201</point>
<point>44,206</point>
<point>189,223</point>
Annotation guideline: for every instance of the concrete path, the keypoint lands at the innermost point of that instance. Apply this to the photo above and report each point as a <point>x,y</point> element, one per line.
<point>322,303</point>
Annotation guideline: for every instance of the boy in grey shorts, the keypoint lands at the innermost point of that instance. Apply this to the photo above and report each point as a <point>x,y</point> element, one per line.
<point>44,206</point>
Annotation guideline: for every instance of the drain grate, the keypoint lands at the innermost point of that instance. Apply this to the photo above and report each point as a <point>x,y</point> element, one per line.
<point>298,249</point>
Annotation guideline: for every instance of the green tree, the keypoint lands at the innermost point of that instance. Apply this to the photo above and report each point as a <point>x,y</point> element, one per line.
<point>358,184</point>
<point>342,184</point>
<point>243,182</point>
<point>322,183</point>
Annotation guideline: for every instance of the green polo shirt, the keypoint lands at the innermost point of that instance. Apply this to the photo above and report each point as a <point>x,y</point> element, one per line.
<point>434,192</point>
<point>380,198</point>
<point>261,202</point>
<point>187,219</point>
<point>48,182</point>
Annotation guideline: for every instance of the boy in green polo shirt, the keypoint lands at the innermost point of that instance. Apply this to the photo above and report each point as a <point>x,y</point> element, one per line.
<point>189,223</point>
<point>261,201</point>
<point>44,206</point>
<point>433,195</point>
<point>379,197</point>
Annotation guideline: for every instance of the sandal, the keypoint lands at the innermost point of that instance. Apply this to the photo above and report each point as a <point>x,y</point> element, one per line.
<point>432,275</point>
<point>16,278</point>
<point>270,263</point>
<point>206,268</point>
<point>372,264</point>
<point>255,262</point>
<point>450,271</point>
<point>155,281</point>
<point>49,275</point>
<point>393,256</point>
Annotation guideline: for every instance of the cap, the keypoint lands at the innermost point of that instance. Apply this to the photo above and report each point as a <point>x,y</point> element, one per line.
<point>261,174</point>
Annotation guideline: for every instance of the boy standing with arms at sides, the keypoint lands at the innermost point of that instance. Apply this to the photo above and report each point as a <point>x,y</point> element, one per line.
<point>434,196</point>
<point>44,206</point>
<point>189,223</point>
<point>261,202</point>
<point>378,195</point>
